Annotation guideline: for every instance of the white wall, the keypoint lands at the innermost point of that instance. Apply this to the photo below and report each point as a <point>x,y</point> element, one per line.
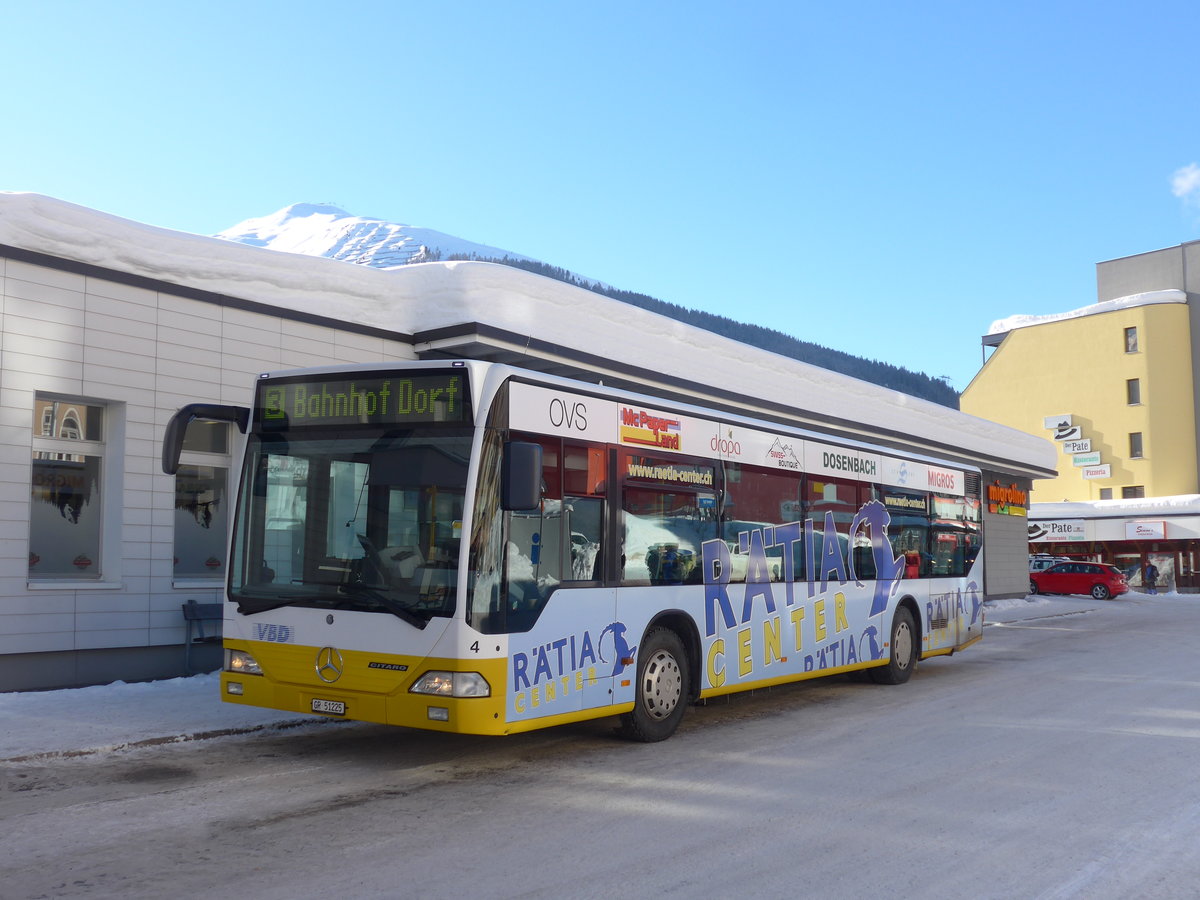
<point>143,353</point>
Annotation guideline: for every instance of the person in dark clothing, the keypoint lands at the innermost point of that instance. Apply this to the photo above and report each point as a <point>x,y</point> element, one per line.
<point>1150,578</point>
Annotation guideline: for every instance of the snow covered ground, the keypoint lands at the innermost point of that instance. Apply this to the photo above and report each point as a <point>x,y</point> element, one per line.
<point>123,716</point>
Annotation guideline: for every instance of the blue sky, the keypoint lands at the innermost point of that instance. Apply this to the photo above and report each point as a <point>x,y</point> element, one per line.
<point>883,178</point>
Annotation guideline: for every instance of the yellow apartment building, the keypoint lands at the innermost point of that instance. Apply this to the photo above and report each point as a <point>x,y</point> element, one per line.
<point>1113,384</point>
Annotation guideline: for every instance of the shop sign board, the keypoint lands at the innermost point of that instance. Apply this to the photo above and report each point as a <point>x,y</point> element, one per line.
<point>1145,531</point>
<point>1094,472</point>
<point>1056,530</point>
<point>1086,459</point>
<point>1082,446</point>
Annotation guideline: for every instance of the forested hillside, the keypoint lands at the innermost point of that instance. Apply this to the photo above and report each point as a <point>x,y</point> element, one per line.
<point>887,375</point>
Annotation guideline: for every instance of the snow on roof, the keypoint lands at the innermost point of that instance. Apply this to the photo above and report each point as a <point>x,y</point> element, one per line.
<point>1148,298</point>
<point>433,295</point>
<point>1179,505</point>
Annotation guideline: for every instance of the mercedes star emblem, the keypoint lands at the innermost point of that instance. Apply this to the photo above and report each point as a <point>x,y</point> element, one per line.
<point>329,665</point>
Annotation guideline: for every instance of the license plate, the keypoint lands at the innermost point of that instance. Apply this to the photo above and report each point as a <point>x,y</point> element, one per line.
<point>329,707</point>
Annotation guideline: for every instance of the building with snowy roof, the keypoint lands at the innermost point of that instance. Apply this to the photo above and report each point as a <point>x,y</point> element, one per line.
<point>1114,384</point>
<point>108,326</point>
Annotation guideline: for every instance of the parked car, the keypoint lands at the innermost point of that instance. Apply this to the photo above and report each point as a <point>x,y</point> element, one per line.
<point>1039,562</point>
<point>1098,579</point>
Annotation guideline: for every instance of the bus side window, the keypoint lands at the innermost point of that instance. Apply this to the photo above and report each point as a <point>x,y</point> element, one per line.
<point>664,531</point>
<point>864,557</point>
<point>583,520</point>
<point>560,541</point>
<point>584,474</point>
<point>754,499</point>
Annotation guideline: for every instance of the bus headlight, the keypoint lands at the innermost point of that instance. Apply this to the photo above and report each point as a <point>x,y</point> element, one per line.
<point>452,684</point>
<point>242,663</point>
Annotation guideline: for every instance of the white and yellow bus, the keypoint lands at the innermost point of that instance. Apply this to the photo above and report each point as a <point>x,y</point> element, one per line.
<point>470,547</point>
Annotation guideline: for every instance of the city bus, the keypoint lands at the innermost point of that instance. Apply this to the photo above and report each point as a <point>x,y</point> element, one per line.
<point>471,547</point>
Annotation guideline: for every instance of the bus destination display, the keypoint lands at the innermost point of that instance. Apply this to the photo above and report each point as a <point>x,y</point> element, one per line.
<point>382,399</point>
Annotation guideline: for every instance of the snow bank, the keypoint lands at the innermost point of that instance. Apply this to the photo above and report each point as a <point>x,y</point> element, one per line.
<point>1181,504</point>
<point>1148,298</point>
<point>119,715</point>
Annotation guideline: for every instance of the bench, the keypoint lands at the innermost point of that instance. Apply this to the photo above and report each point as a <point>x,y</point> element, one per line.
<point>195,615</point>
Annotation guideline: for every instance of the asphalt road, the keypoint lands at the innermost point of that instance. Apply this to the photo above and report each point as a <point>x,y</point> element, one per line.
<point>1057,758</point>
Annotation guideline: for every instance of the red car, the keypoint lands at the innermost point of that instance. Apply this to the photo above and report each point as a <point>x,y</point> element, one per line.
<point>1100,580</point>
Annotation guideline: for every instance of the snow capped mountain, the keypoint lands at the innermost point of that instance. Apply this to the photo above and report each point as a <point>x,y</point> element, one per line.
<point>316,229</point>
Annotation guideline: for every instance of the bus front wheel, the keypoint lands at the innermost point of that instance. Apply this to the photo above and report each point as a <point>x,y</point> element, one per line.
<point>903,658</point>
<point>661,690</point>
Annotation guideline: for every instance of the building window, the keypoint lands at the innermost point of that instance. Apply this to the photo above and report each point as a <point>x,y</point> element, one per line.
<point>65,509</point>
<point>1135,445</point>
<point>1131,340</point>
<point>202,502</point>
<point>1133,391</point>
<point>1137,492</point>
<point>1105,493</point>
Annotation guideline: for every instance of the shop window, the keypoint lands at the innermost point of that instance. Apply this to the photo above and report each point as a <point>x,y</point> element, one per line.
<point>1135,445</point>
<point>201,494</point>
<point>1133,391</point>
<point>202,503</point>
<point>1105,493</point>
<point>67,478</point>
<point>206,437</point>
<point>1131,340</point>
<point>1136,492</point>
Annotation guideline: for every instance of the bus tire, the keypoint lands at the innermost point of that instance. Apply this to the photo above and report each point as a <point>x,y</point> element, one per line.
<point>661,690</point>
<point>903,651</point>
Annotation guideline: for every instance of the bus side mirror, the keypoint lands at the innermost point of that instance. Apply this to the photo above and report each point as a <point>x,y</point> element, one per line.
<point>521,476</point>
<point>177,428</point>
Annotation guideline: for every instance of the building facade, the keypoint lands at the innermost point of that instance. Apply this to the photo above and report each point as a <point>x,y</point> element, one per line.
<point>1128,534</point>
<point>1114,385</point>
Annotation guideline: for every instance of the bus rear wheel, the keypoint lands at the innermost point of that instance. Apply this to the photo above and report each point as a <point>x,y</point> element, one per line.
<point>661,690</point>
<point>903,659</point>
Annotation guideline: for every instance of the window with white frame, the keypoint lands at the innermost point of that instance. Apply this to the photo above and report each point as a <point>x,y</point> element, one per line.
<point>65,488</point>
<point>202,503</point>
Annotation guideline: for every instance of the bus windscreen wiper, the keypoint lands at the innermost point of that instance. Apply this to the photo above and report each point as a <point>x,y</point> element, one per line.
<point>393,606</point>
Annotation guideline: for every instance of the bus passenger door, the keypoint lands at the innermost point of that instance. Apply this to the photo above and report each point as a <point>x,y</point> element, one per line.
<point>561,617</point>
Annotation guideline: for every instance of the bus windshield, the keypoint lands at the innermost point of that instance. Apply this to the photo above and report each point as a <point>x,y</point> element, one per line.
<point>364,518</point>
